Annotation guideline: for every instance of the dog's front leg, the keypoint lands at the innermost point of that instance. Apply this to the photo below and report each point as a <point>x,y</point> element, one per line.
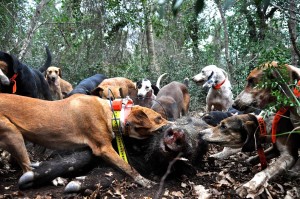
<point>225,153</point>
<point>257,184</point>
<point>110,155</point>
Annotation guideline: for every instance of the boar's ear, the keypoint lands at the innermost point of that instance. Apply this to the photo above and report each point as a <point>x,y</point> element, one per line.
<point>248,135</point>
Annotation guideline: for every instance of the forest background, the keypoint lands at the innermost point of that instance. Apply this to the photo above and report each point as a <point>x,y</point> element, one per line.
<point>145,38</point>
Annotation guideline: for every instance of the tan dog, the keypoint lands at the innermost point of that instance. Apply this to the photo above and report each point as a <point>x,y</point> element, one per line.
<point>58,86</point>
<point>83,121</point>
<point>112,88</point>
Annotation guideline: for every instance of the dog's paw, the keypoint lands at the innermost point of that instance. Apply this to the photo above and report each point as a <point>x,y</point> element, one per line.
<point>26,180</point>
<point>73,186</point>
<point>144,182</point>
<point>254,187</point>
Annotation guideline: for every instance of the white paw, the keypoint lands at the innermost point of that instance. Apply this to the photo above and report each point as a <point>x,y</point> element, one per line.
<point>254,187</point>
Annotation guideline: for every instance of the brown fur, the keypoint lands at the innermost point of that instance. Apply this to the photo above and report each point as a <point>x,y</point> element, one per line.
<point>117,87</point>
<point>58,86</point>
<point>83,121</point>
<point>172,101</point>
<point>287,145</point>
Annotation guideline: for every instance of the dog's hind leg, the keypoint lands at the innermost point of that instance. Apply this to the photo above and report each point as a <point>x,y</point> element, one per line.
<point>13,142</point>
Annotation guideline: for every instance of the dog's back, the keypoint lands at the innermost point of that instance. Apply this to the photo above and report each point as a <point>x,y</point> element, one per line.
<point>172,100</point>
<point>88,84</point>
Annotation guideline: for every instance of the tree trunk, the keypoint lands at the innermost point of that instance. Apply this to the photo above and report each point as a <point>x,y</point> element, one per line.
<point>292,25</point>
<point>226,38</point>
<point>150,40</point>
<point>32,28</point>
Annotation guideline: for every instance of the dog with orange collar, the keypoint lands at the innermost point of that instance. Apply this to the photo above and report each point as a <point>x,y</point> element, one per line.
<point>286,141</point>
<point>219,96</point>
<point>84,121</point>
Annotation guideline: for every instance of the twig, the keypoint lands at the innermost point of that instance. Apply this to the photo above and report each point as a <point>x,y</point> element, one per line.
<point>162,181</point>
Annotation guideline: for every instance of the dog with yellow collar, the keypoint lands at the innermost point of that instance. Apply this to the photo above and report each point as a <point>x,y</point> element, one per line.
<point>83,121</point>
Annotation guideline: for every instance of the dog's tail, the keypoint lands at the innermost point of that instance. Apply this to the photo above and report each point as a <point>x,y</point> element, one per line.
<point>48,61</point>
<point>159,79</point>
<point>186,82</point>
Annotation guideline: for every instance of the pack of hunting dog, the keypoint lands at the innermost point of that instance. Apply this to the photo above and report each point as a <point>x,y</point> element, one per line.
<point>111,137</point>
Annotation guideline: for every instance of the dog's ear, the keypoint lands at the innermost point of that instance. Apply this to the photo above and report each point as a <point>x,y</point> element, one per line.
<point>250,128</point>
<point>12,62</point>
<point>224,72</point>
<point>145,120</point>
<point>59,73</point>
<point>121,92</point>
<point>155,89</point>
<point>98,92</point>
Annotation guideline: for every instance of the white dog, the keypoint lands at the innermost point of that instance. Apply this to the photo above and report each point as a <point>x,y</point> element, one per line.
<point>219,96</point>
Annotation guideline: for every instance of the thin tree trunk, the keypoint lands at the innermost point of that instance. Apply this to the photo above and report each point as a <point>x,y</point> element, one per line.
<point>226,38</point>
<point>32,28</point>
<point>292,25</point>
<point>150,40</point>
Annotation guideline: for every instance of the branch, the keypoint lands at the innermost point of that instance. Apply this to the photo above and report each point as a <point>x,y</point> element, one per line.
<point>32,28</point>
<point>162,181</point>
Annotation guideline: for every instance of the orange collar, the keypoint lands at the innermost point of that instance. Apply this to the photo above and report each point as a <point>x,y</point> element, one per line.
<point>121,109</point>
<point>275,122</point>
<point>260,151</point>
<point>218,86</point>
<point>13,80</point>
<point>296,91</point>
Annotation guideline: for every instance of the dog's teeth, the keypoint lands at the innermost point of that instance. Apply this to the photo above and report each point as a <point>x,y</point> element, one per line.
<point>73,186</point>
<point>26,177</point>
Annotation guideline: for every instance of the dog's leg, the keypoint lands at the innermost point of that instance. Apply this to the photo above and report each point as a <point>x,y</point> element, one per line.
<point>256,185</point>
<point>227,151</point>
<point>13,142</point>
<point>109,154</point>
<point>271,152</point>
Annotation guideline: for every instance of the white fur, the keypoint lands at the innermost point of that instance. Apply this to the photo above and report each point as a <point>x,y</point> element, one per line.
<point>218,99</point>
<point>146,87</point>
<point>3,78</point>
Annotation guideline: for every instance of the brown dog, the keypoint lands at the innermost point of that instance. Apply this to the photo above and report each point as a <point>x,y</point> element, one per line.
<point>112,88</point>
<point>172,100</point>
<point>83,121</point>
<point>244,131</point>
<point>58,86</point>
<point>253,97</point>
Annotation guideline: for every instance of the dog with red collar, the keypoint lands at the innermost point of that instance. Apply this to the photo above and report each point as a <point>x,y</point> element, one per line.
<point>219,96</point>
<point>253,97</point>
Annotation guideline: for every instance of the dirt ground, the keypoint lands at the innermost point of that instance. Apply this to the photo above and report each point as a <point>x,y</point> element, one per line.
<point>216,179</point>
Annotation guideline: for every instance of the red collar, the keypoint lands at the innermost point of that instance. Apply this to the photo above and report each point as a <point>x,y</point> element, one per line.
<point>296,90</point>
<point>260,151</point>
<point>276,119</point>
<point>218,86</point>
<point>13,80</point>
